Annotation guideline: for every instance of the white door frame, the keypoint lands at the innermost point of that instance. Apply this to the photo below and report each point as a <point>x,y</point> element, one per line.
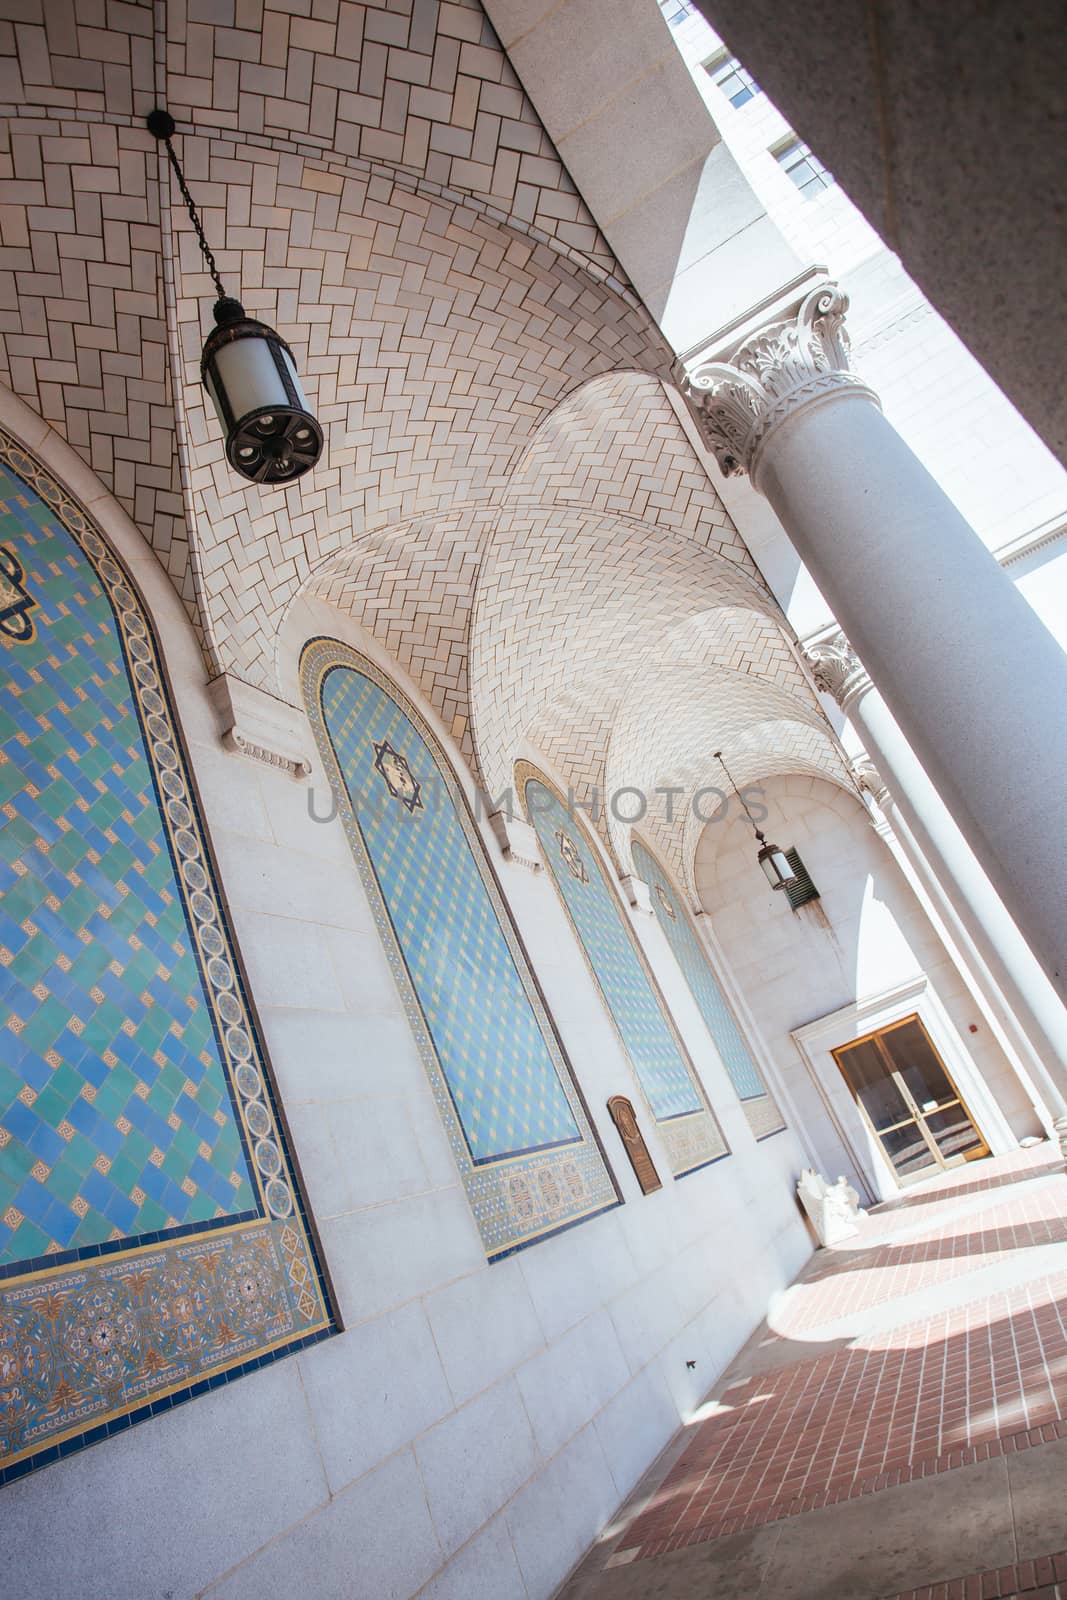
<point>815,1041</point>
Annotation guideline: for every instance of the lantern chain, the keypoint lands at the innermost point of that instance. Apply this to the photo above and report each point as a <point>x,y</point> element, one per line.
<point>717,755</point>
<point>194,218</point>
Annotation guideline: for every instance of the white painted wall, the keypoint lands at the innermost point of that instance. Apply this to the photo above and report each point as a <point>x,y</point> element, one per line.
<point>865,935</point>
<point>474,1426</point>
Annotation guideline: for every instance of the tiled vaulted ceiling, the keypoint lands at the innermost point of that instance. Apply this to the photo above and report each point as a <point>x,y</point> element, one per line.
<point>507,493</point>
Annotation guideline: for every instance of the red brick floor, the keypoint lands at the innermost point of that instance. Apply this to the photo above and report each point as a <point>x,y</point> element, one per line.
<point>984,1378</point>
<point>882,1272</point>
<point>1044,1579</point>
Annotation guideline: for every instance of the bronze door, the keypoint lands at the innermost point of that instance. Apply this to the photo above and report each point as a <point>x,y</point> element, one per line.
<point>900,1084</point>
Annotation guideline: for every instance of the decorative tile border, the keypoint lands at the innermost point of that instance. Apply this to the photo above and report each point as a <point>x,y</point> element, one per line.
<point>519,1197</point>
<point>96,1338</point>
<point>690,1133</point>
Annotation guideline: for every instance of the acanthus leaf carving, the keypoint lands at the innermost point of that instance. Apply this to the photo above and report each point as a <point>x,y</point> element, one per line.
<point>836,669</point>
<point>770,376</point>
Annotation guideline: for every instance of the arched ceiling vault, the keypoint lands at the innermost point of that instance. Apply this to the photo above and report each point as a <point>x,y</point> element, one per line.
<point>624,648</point>
<point>665,739</point>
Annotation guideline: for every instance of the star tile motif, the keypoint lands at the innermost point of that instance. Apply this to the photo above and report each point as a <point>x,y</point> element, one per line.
<point>572,856</point>
<point>399,778</point>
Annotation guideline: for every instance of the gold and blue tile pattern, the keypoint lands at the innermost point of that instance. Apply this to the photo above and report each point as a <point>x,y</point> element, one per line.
<point>152,1240</point>
<point>520,1135</point>
<point>685,1122</point>
<point>759,1106</point>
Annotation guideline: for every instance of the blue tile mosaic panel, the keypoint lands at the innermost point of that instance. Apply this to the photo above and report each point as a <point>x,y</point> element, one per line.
<point>673,917</point>
<point>152,1239</point>
<point>520,1135</point>
<point>686,1124</point>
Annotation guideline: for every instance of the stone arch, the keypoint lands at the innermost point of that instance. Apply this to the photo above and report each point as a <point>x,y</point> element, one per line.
<point>662,741</point>
<point>432,341</point>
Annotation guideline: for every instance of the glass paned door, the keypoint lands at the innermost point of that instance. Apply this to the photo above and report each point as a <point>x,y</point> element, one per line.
<point>900,1084</point>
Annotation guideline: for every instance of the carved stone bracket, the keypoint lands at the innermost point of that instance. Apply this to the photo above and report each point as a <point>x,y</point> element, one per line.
<point>772,374</point>
<point>837,669</point>
<point>636,891</point>
<point>517,840</point>
<point>253,723</point>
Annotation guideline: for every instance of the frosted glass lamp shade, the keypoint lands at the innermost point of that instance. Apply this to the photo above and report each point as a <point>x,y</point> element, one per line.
<point>248,370</point>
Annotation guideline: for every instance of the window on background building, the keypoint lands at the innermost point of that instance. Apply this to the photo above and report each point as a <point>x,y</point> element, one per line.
<point>731,78</point>
<point>675,12</point>
<point>803,167</point>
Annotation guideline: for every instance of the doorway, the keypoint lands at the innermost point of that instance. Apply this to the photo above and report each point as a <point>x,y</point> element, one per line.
<point>914,1109</point>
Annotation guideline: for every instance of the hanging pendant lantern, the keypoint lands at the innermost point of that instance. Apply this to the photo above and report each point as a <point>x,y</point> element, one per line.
<point>773,862</point>
<point>249,372</point>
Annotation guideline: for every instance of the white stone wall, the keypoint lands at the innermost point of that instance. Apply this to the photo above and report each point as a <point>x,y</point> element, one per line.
<point>473,1427</point>
<point>864,936</point>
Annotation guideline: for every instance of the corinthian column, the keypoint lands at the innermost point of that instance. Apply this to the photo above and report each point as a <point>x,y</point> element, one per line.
<point>952,876</point>
<point>974,679</point>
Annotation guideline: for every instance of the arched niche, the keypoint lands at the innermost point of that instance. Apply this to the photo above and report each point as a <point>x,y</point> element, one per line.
<point>522,1140</point>
<point>153,1237</point>
<point>651,1042</point>
<point>671,912</point>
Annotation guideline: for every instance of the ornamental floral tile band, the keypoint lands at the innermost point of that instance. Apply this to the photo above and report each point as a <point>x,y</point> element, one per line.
<point>685,1123</point>
<point>153,1239</point>
<point>760,1108</point>
<point>519,1132</point>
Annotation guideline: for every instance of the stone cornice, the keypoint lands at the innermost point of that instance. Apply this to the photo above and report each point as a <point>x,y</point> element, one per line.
<point>772,374</point>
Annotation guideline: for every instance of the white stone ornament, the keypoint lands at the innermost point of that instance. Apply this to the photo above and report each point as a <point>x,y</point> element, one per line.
<point>769,376</point>
<point>837,669</point>
<point>834,1208</point>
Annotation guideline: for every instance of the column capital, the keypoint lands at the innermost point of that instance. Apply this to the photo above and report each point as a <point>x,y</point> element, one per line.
<point>837,669</point>
<point>785,365</point>
<point>869,779</point>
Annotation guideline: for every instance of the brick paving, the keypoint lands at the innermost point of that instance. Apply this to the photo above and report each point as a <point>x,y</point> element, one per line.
<point>981,1379</point>
<point>859,1279</point>
<point>1043,1579</point>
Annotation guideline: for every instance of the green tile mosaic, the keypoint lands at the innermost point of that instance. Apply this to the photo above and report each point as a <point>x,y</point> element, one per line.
<point>674,919</point>
<point>150,1233</point>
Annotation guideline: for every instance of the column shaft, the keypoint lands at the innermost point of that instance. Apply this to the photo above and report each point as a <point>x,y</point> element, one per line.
<point>976,682</point>
<point>924,821</point>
